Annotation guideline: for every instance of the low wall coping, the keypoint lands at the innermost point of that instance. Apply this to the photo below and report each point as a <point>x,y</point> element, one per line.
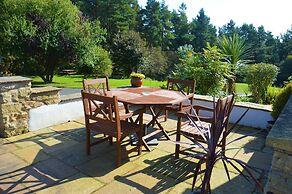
<point>46,89</point>
<point>251,105</point>
<point>280,136</point>
<point>14,79</point>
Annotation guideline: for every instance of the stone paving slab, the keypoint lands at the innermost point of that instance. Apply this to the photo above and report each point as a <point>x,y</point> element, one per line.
<point>79,184</point>
<point>53,160</point>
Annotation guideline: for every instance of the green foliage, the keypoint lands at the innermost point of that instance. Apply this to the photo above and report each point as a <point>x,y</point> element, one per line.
<point>137,75</point>
<point>260,77</point>
<point>44,35</point>
<point>281,100</point>
<point>151,25</point>
<point>181,28</point>
<point>207,69</point>
<point>116,16</point>
<point>285,70</point>
<point>128,50</point>
<point>203,31</point>
<point>155,63</point>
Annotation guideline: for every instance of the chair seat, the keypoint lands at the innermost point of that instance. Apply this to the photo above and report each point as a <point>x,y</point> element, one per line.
<point>176,107</point>
<point>190,129</point>
<point>109,128</point>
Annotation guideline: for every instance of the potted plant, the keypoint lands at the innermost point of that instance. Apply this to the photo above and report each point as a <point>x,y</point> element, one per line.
<point>137,79</point>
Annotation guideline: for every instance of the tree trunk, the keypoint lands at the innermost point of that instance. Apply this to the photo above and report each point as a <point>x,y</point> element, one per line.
<point>231,85</point>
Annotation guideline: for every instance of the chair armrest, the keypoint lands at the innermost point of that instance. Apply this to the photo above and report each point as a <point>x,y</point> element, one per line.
<point>204,119</point>
<point>131,114</point>
<point>199,107</point>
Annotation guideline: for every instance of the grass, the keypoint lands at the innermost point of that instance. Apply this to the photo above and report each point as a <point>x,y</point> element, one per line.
<point>241,88</point>
<point>75,81</point>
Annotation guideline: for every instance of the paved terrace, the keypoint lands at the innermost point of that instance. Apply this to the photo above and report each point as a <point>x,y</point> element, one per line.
<point>53,160</point>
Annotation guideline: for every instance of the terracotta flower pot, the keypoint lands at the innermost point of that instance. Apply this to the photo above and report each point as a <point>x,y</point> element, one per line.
<point>136,82</point>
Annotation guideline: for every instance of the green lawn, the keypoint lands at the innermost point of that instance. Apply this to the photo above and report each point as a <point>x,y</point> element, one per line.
<point>75,81</point>
<point>241,88</point>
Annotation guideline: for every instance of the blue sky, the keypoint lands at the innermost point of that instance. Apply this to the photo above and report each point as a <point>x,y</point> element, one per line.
<point>275,16</point>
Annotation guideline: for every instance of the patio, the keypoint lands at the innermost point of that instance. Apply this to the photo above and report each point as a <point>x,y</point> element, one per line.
<point>53,160</point>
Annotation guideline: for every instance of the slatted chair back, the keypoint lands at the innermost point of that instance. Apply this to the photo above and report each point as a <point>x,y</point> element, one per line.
<point>185,86</point>
<point>221,119</point>
<point>101,109</point>
<point>97,86</point>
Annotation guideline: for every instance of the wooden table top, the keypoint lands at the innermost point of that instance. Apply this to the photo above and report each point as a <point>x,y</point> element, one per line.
<point>148,96</point>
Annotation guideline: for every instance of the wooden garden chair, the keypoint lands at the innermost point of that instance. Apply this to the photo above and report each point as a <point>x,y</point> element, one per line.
<point>187,87</point>
<point>187,129</point>
<point>102,117</point>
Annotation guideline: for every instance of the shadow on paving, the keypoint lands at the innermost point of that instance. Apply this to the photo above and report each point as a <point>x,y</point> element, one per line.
<point>60,159</point>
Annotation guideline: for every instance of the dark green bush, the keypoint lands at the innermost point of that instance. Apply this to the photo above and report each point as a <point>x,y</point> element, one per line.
<point>259,77</point>
<point>281,100</point>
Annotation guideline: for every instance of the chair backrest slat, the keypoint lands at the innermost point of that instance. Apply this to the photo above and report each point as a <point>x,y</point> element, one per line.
<point>98,86</point>
<point>101,108</point>
<point>187,86</point>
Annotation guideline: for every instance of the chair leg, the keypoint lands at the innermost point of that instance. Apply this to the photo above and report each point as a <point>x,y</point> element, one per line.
<point>165,115</point>
<point>177,146</point>
<point>110,140</point>
<point>140,134</point>
<point>119,152</point>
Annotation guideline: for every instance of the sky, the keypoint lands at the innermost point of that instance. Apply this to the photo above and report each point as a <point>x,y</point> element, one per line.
<point>274,15</point>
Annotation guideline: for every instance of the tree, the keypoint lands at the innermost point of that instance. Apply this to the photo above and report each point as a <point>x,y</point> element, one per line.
<point>203,31</point>
<point>43,35</point>
<point>151,26</point>
<point>128,51</point>
<point>181,28</point>
<point>228,29</point>
<point>286,45</point>
<point>236,52</point>
<point>116,16</point>
<point>167,27</point>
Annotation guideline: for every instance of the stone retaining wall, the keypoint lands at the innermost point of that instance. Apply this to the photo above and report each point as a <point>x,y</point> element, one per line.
<point>280,138</point>
<point>16,99</point>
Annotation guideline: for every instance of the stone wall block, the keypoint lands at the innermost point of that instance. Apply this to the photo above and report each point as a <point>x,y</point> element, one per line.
<point>17,98</point>
<point>282,162</point>
<point>11,108</point>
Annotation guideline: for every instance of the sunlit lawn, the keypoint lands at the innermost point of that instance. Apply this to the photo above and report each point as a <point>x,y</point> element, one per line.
<point>75,81</point>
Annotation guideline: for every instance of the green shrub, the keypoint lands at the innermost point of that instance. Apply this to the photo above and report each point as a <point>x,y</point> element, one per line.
<point>259,77</point>
<point>206,68</point>
<point>281,100</point>
<point>271,95</point>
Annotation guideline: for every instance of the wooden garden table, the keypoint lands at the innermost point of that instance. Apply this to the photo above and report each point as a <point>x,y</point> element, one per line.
<point>150,98</point>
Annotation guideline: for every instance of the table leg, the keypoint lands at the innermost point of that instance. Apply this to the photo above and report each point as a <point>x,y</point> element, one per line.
<point>154,120</point>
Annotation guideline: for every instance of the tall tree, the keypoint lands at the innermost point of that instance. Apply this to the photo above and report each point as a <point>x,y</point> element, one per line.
<point>203,31</point>
<point>286,45</point>
<point>115,15</point>
<point>167,27</point>
<point>228,29</point>
<point>151,23</point>
<point>181,28</point>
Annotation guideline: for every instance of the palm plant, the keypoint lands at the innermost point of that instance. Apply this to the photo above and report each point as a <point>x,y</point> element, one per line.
<point>210,152</point>
<point>237,52</point>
